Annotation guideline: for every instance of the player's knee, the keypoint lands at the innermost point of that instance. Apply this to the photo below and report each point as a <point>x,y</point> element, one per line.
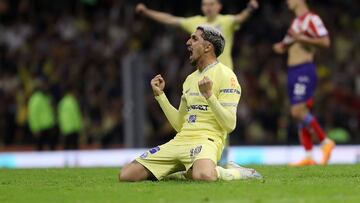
<point>127,175</point>
<point>204,176</point>
<point>297,113</point>
<point>124,175</point>
<point>133,172</point>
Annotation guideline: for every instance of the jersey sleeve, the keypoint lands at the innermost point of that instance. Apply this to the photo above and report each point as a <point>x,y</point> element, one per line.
<point>190,24</point>
<point>174,116</point>
<point>225,104</point>
<point>317,26</point>
<point>229,22</point>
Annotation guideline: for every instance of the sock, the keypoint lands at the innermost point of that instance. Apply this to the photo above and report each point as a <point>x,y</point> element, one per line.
<point>305,139</point>
<point>181,175</point>
<point>308,154</point>
<point>325,141</point>
<point>311,122</point>
<point>228,173</point>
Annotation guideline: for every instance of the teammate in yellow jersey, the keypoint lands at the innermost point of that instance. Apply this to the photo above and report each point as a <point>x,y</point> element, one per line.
<point>227,24</point>
<point>207,113</point>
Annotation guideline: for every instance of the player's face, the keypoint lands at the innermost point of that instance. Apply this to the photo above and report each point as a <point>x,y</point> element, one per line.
<point>210,8</point>
<point>292,4</point>
<point>196,47</point>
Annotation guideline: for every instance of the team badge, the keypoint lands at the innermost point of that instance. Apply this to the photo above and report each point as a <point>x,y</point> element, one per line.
<point>192,119</point>
<point>233,82</point>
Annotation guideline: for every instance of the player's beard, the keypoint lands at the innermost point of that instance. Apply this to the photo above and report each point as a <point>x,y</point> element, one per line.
<point>193,61</point>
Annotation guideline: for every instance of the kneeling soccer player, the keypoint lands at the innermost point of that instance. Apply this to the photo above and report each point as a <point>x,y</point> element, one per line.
<point>206,115</point>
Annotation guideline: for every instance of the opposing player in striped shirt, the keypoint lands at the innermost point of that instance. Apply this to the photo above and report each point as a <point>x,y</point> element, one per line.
<point>306,33</point>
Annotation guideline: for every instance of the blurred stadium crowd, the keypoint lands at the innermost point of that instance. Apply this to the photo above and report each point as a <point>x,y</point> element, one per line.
<point>63,46</point>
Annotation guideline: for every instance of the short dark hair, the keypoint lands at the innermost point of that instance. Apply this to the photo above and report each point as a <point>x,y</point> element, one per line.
<point>214,36</point>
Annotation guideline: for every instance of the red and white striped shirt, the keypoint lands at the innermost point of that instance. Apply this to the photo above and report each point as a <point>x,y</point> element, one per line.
<point>308,24</point>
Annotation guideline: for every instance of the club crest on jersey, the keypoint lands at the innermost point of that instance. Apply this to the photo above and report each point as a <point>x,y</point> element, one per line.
<point>192,119</point>
<point>233,82</point>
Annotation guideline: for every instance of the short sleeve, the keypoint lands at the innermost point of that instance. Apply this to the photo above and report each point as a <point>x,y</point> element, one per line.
<point>190,24</point>
<point>317,26</point>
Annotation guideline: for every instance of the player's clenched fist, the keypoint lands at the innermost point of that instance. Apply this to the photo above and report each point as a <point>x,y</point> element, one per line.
<point>157,85</point>
<point>140,8</point>
<point>253,4</point>
<point>205,87</point>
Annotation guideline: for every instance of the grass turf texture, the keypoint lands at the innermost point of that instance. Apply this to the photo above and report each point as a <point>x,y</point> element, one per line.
<point>335,183</point>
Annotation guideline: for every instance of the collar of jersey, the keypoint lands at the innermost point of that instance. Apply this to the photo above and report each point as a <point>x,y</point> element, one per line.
<point>208,67</point>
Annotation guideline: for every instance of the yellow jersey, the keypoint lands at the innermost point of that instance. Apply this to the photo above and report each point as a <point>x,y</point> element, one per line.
<point>200,118</point>
<point>225,23</point>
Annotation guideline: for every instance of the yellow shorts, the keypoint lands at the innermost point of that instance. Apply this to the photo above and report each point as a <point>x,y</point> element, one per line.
<point>177,155</point>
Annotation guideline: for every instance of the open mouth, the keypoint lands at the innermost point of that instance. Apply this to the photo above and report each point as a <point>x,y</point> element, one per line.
<point>190,51</point>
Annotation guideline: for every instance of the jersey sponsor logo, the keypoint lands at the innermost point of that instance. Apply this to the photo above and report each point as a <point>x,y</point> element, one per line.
<point>229,104</point>
<point>230,91</point>
<point>197,107</point>
<point>194,94</point>
<point>195,151</point>
<point>192,119</point>
<point>154,150</point>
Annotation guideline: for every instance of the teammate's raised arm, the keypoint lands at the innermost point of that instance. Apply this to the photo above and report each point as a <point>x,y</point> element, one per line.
<point>161,17</point>
<point>245,14</point>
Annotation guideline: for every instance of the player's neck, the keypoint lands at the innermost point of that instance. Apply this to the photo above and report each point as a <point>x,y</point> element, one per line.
<point>301,10</point>
<point>204,64</point>
<point>211,19</point>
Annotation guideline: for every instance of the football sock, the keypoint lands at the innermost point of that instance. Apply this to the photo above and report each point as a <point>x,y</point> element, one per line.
<point>228,174</point>
<point>325,141</point>
<point>181,175</point>
<point>305,139</point>
<point>311,122</point>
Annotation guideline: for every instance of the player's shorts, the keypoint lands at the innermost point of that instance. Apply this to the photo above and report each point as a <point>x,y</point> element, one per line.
<point>176,155</point>
<point>302,81</point>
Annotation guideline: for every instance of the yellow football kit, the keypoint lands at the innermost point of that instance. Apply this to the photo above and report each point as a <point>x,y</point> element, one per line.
<point>202,124</point>
<point>225,23</point>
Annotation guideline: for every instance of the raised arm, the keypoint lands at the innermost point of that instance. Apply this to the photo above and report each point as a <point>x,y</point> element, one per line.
<point>174,116</point>
<point>161,17</point>
<point>245,14</point>
<point>224,107</point>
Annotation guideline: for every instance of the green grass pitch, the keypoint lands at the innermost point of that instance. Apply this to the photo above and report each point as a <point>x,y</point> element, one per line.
<point>335,183</point>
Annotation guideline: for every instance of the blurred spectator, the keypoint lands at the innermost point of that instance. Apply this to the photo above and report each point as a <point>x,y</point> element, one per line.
<point>70,119</point>
<point>86,43</point>
<point>42,118</point>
